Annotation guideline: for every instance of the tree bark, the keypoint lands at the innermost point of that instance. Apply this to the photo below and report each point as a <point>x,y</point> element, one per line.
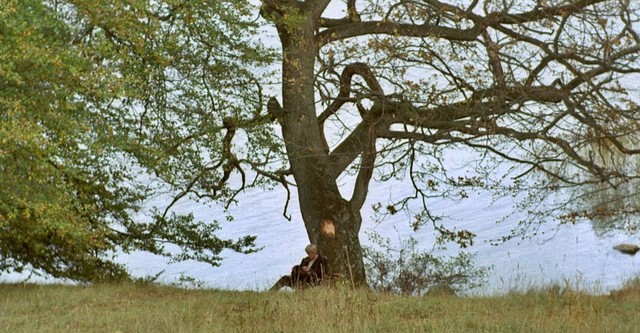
<point>334,227</point>
<point>320,200</point>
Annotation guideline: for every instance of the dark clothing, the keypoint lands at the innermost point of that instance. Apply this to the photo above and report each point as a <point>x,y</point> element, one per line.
<point>300,279</point>
<point>313,276</point>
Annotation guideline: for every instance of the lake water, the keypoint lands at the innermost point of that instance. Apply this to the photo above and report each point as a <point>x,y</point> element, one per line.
<point>567,255</point>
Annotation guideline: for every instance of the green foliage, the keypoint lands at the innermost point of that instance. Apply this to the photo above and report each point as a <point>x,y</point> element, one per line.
<point>101,105</point>
<point>51,197</point>
<point>408,270</point>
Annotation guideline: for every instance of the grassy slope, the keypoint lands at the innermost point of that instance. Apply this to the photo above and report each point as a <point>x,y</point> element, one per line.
<point>140,308</point>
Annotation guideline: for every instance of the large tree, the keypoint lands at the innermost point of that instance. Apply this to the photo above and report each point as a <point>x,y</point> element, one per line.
<point>87,127</point>
<point>534,84</point>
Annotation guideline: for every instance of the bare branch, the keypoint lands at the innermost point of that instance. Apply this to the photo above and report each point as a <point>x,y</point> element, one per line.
<point>494,60</point>
<point>349,30</point>
<point>541,12</point>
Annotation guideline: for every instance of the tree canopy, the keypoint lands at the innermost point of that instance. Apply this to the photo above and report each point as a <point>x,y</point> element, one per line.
<point>98,110</point>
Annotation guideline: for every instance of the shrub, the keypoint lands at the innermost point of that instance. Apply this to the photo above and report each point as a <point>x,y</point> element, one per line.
<point>408,270</point>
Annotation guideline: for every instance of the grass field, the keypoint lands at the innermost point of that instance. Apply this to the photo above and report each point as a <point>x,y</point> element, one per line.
<point>148,308</point>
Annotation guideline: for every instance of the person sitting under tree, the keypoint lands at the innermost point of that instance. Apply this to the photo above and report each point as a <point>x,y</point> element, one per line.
<point>309,273</point>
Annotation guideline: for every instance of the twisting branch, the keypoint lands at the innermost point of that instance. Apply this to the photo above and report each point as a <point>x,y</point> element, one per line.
<point>366,147</point>
<point>540,12</point>
<point>348,72</point>
<point>533,69</point>
<point>344,93</point>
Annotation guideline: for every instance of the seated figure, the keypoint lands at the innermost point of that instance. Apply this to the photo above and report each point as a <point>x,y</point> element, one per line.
<point>309,273</point>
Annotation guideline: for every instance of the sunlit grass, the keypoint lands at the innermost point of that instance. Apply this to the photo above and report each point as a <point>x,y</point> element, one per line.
<point>148,308</point>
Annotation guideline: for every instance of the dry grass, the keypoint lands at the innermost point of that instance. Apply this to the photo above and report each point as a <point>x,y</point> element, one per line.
<point>145,308</point>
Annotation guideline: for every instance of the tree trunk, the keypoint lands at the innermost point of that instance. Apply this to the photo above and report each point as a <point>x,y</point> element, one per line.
<point>334,227</point>
<point>320,200</point>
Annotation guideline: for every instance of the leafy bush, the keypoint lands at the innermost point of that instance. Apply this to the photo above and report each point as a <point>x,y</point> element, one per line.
<point>408,270</point>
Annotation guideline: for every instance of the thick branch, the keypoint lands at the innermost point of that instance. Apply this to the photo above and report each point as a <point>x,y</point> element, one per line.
<point>385,113</point>
<point>315,8</point>
<point>367,164</point>
<point>414,136</point>
<point>345,90</point>
<point>456,116</point>
<point>348,27</point>
<point>493,52</point>
<point>348,150</point>
<point>542,94</point>
<point>345,87</point>
<point>541,12</point>
<point>349,30</point>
